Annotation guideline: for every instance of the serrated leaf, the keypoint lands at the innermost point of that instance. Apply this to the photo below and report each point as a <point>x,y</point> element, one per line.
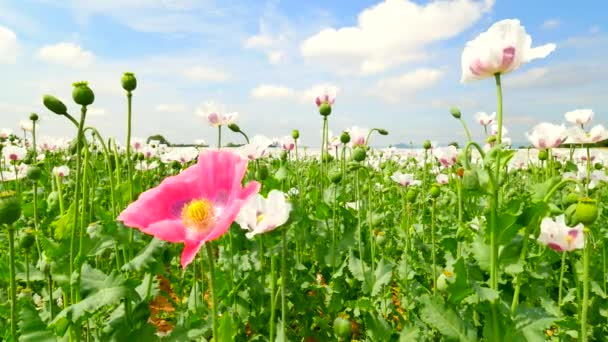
<point>409,333</point>
<point>63,226</point>
<point>31,327</point>
<point>382,276</point>
<point>355,267</point>
<point>103,297</point>
<point>445,320</point>
<point>145,257</point>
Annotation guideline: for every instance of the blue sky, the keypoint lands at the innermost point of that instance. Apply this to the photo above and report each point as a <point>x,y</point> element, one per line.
<point>266,60</point>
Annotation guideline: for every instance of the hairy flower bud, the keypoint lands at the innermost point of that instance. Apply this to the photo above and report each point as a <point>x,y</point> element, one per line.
<point>54,105</point>
<point>234,127</point>
<point>455,112</point>
<point>382,131</point>
<point>435,191</point>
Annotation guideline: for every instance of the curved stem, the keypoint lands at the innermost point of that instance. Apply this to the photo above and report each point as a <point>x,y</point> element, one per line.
<point>466,130</point>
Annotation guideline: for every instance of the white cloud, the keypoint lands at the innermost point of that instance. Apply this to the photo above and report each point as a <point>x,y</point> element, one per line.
<point>551,24</point>
<point>170,107</point>
<point>276,57</point>
<point>258,41</point>
<point>199,73</point>
<point>9,49</point>
<point>564,75</point>
<point>271,91</point>
<point>66,54</point>
<point>391,33</point>
<point>394,88</point>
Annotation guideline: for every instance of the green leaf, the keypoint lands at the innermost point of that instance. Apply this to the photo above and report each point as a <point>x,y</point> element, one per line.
<point>409,333</point>
<point>355,267</point>
<point>64,225</point>
<point>382,276</point>
<point>146,256</point>
<point>32,328</point>
<point>437,315</point>
<point>226,330</point>
<point>459,289</point>
<point>539,191</point>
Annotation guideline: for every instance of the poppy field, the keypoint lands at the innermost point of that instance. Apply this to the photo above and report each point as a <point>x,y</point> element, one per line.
<point>119,239</point>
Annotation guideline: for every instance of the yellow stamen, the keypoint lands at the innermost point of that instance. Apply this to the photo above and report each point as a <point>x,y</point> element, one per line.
<point>199,215</point>
<point>260,218</point>
<point>448,273</point>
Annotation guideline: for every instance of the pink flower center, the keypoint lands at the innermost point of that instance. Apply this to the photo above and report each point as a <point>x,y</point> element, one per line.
<point>12,156</point>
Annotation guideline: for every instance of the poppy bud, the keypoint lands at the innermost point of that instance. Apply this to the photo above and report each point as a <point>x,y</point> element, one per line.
<point>234,127</point>
<point>435,192</point>
<point>129,82</point>
<point>470,180</point>
<point>33,173</point>
<point>34,117</point>
<point>27,240</point>
<point>335,175</point>
<point>345,137</point>
<point>82,94</point>
<point>382,131</point>
<point>586,211</point>
<point>491,139</point>
<point>342,328</point>
<point>543,155</point>
<point>54,105</point>
<point>427,145</point>
<point>295,134</point>
<point>283,155</point>
<point>325,109</point>
<point>598,166</point>
<point>380,238</point>
<point>455,112</point>
<point>570,198</point>
<point>10,207</point>
<point>411,195</point>
<point>359,154</point>
<point>262,172</point>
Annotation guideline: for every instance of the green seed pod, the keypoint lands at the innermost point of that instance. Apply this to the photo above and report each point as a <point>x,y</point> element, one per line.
<point>435,191</point>
<point>359,154</point>
<point>345,137</point>
<point>129,82</point>
<point>52,201</point>
<point>33,173</point>
<point>570,198</point>
<point>82,94</point>
<point>234,127</point>
<point>283,155</point>
<point>325,109</point>
<point>295,134</point>
<point>262,172</point>
<point>34,117</point>
<point>427,145</point>
<point>54,105</point>
<point>543,155</point>
<point>342,328</point>
<point>455,112</point>
<point>586,211</point>
<point>470,180</point>
<point>598,166</point>
<point>27,240</point>
<point>411,195</point>
<point>335,175</point>
<point>10,207</point>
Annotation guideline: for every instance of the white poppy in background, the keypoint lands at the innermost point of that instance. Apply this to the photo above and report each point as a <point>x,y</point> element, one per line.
<point>258,147</point>
<point>216,114</point>
<point>556,235</point>
<point>577,135</point>
<point>260,215</point>
<point>137,144</point>
<point>546,135</point>
<point>446,155</point>
<point>13,153</point>
<point>358,136</point>
<point>503,48</point>
<point>288,143</point>
<point>484,119</point>
<point>182,154</point>
<point>442,178</point>
<point>5,133</point>
<point>405,179</point>
<point>144,165</point>
<point>26,125</point>
<point>579,116</point>
<point>494,130</point>
<point>61,171</point>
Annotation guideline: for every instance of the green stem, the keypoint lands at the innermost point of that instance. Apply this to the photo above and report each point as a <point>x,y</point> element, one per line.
<point>219,137</point>
<point>466,130</point>
<point>283,281</point>
<point>216,336</point>
<point>273,281</point>
<point>359,232</point>
<point>11,251</point>
<point>433,247</point>
<point>584,306</point>
<point>561,279</point>
<point>129,167</point>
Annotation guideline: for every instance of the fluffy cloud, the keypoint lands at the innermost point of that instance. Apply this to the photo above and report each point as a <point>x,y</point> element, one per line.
<point>66,54</point>
<point>258,41</point>
<point>391,33</point>
<point>271,91</point>
<point>9,48</point>
<point>393,88</point>
<point>199,73</point>
<point>564,75</point>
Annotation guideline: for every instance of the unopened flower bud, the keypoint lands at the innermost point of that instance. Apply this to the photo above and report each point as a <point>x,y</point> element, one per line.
<point>27,240</point>
<point>54,105</point>
<point>234,127</point>
<point>129,82</point>
<point>295,134</point>
<point>342,328</point>
<point>491,139</point>
<point>82,94</point>
<point>345,137</point>
<point>283,155</point>
<point>382,131</point>
<point>359,154</point>
<point>435,191</point>
<point>10,207</point>
<point>598,166</point>
<point>470,180</point>
<point>411,195</point>
<point>543,155</point>
<point>33,173</point>
<point>335,175</point>
<point>570,198</point>
<point>427,145</point>
<point>262,172</point>
<point>34,117</point>
<point>455,112</point>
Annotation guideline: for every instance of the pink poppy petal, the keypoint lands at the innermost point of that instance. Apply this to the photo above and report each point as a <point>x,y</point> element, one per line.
<point>508,55</point>
<point>189,252</point>
<point>477,68</point>
<point>168,230</point>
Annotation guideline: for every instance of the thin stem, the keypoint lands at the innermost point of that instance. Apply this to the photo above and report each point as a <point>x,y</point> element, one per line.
<point>283,281</point>
<point>466,130</point>
<point>219,137</point>
<point>584,306</point>
<point>11,251</point>
<point>273,281</point>
<point>561,279</point>
<point>433,247</point>
<point>212,288</point>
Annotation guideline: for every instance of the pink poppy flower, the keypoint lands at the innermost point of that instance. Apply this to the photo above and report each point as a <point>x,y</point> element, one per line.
<point>196,206</point>
<point>556,235</point>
